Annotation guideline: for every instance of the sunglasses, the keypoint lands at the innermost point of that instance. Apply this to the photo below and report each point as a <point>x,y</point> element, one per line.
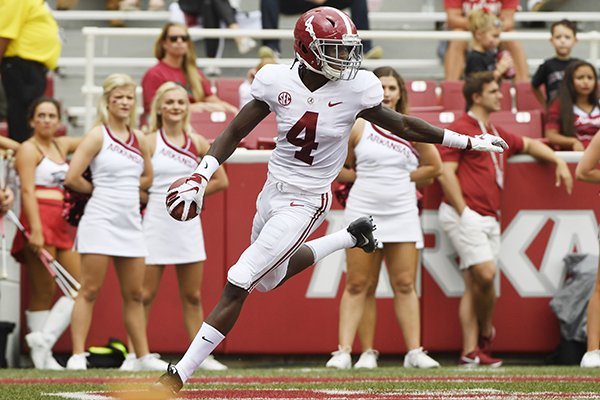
<point>174,38</point>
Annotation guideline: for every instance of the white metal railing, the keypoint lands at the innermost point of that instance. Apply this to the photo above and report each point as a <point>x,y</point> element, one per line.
<point>163,16</point>
<point>91,61</point>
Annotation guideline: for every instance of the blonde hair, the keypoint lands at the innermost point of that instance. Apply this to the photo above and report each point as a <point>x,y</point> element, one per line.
<point>111,83</point>
<point>189,67</point>
<point>483,20</point>
<point>156,121</point>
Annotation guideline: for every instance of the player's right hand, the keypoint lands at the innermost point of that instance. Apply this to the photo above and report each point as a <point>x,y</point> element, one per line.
<point>487,142</point>
<point>190,193</point>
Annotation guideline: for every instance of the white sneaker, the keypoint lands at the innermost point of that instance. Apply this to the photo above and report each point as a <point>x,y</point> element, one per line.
<point>77,361</point>
<point>245,44</point>
<point>368,359</point>
<point>340,359</point>
<point>591,359</point>
<point>129,363</point>
<point>417,358</point>
<point>210,364</point>
<point>151,362</point>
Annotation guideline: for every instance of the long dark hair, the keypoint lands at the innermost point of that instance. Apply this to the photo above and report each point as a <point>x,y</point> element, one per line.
<point>402,105</point>
<point>567,96</point>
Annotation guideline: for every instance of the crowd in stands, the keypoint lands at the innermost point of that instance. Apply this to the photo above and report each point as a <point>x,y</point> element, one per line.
<point>564,115</point>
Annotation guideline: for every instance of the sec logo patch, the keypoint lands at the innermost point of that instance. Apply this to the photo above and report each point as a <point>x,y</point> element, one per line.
<point>284,98</point>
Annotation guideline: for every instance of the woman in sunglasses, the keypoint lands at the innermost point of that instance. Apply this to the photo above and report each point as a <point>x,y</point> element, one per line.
<point>177,63</point>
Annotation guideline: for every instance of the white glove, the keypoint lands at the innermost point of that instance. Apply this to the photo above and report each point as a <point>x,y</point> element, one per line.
<point>487,142</point>
<point>190,191</point>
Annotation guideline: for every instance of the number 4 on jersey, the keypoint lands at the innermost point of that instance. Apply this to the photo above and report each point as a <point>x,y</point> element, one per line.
<point>308,124</point>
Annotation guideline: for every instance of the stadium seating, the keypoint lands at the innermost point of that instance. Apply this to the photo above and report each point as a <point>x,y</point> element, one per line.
<point>211,124</point>
<point>522,123</point>
<point>525,99</point>
<point>453,99</point>
<point>228,90</point>
<point>422,96</point>
<point>443,119</point>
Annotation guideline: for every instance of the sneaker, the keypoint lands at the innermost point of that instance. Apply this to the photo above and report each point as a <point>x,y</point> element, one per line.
<point>340,359</point>
<point>485,343</point>
<point>156,5</point>
<point>418,358</point>
<point>210,364</point>
<point>129,363</point>
<point>477,358</point>
<point>169,384</point>
<point>151,362</point>
<point>591,359</point>
<point>367,360</point>
<point>212,70</point>
<point>245,44</point>
<point>77,361</point>
<point>374,54</point>
<point>362,230</point>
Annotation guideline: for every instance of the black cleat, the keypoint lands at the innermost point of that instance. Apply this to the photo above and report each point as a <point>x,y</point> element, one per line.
<point>169,384</point>
<point>362,230</point>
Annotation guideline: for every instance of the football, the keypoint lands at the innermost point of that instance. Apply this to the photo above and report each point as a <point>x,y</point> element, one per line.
<point>177,212</point>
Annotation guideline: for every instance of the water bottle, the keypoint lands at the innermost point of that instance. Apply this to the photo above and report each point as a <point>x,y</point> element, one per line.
<point>510,72</point>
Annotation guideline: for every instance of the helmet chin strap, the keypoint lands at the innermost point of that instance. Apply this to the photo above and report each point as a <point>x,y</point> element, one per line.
<point>309,67</point>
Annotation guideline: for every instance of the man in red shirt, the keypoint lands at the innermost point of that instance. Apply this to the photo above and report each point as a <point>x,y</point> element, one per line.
<point>469,211</point>
<point>457,12</point>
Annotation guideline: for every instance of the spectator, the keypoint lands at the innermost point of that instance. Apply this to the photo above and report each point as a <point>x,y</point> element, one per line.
<point>388,169</point>
<point>29,47</point>
<point>588,171</point>
<point>472,183</point>
<point>175,154</point>
<point>177,63</point>
<point>213,13</point>
<point>574,115</point>
<point>270,10</point>
<point>325,85</point>
<point>485,28</point>
<point>111,226</point>
<point>457,11</point>
<point>41,163</point>
<point>550,73</point>
<point>244,90</point>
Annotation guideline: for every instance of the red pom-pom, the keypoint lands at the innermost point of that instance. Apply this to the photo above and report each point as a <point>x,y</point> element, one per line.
<point>177,212</point>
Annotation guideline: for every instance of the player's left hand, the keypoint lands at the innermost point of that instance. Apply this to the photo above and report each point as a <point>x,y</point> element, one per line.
<point>487,142</point>
<point>190,193</point>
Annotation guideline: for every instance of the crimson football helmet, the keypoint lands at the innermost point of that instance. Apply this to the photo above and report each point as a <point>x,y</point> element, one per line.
<point>326,42</point>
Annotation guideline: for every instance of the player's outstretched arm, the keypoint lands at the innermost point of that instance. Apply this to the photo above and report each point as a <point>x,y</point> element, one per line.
<point>190,192</point>
<point>247,119</point>
<point>417,130</point>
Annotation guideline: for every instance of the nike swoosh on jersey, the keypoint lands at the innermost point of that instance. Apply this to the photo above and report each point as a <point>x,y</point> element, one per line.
<point>332,104</point>
<point>205,339</point>
<point>292,204</point>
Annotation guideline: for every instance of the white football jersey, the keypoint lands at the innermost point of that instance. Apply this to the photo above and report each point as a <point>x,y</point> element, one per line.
<point>312,127</point>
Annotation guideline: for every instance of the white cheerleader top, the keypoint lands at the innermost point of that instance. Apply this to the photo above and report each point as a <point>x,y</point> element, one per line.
<point>170,163</point>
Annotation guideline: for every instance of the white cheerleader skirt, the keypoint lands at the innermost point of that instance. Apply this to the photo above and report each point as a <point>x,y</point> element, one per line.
<point>111,224</point>
<point>393,228</point>
<point>170,241</point>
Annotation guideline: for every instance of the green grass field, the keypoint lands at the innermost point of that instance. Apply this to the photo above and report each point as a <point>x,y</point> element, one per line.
<point>512,382</point>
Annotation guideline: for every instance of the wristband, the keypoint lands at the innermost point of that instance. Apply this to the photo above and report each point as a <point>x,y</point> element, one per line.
<point>456,140</point>
<point>207,167</point>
